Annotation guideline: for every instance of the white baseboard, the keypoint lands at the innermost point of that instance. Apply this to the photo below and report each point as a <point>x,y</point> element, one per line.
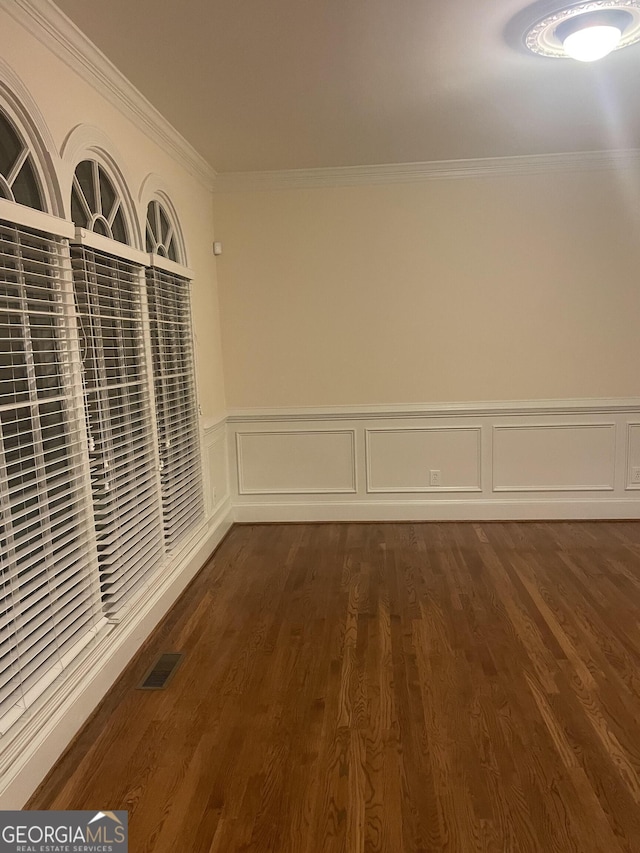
<point>55,720</point>
<point>454,510</point>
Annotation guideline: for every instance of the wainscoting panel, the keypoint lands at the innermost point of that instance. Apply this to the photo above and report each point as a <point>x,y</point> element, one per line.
<point>633,456</point>
<point>546,459</point>
<point>296,462</point>
<point>401,460</point>
<point>215,467</point>
<point>554,457</point>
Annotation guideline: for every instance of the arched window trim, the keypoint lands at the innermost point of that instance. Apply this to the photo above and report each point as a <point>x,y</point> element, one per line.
<point>22,110</point>
<point>21,160</point>
<point>86,142</point>
<point>95,214</point>
<point>155,189</point>
<point>153,226</point>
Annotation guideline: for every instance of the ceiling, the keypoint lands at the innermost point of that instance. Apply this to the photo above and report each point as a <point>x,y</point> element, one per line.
<point>288,84</point>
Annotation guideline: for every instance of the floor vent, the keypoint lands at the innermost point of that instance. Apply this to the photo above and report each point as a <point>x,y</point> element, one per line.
<point>161,672</point>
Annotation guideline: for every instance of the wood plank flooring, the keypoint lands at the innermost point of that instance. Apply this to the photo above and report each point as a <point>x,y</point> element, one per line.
<point>400,688</point>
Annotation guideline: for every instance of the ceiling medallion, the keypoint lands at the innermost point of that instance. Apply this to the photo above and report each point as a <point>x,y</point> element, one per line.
<point>606,24</point>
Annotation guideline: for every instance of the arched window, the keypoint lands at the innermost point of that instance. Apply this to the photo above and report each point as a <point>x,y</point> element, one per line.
<point>18,181</point>
<point>169,304</point>
<point>161,237</point>
<point>49,596</point>
<point>108,283</point>
<point>95,204</point>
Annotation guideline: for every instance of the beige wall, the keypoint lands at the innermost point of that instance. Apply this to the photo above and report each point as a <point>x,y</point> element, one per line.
<point>66,100</point>
<point>497,288</point>
<point>480,289</point>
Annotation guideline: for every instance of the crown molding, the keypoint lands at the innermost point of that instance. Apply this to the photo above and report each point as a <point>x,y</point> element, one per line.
<point>436,170</point>
<point>607,406</point>
<point>54,29</point>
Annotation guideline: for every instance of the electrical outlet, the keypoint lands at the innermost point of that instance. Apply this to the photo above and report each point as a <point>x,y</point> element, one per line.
<point>635,475</point>
<point>435,479</point>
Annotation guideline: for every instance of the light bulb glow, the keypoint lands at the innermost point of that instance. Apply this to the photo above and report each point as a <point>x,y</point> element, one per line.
<point>591,43</point>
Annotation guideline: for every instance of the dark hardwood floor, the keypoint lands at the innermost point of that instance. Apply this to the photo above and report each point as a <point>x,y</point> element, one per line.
<point>384,687</point>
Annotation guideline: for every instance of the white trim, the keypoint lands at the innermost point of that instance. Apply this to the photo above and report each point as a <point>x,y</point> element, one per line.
<point>398,490</point>
<point>437,510</point>
<point>169,266</point>
<point>25,113</point>
<point>87,142</point>
<point>63,710</point>
<point>587,499</point>
<point>211,440</point>
<point>155,188</point>
<point>210,424</point>
<point>436,170</point>
<point>350,490</point>
<point>92,240</point>
<point>629,486</point>
<point>605,487</point>
<point>19,214</point>
<point>55,30</point>
<point>439,410</point>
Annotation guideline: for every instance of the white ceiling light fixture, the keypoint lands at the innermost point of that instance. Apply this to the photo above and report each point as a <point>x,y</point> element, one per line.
<point>587,41</point>
<point>586,31</point>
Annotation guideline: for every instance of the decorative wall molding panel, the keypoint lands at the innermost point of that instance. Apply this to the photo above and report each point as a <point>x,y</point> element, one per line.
<point>554,457</point>
<point>215,468</point>
<point>438,170</point>
<point>402,460</point>
<point>547,459</point>
<point>296,462</point>
<point>633,456</point>
<point>52,27</point>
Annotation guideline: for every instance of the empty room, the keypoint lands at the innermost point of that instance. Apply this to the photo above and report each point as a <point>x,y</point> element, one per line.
<point>319,426</point>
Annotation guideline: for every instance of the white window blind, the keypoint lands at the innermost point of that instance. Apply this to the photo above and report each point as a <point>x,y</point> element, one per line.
<point>122,448</point>
<point>176,407</point>
<point>49,593</point>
